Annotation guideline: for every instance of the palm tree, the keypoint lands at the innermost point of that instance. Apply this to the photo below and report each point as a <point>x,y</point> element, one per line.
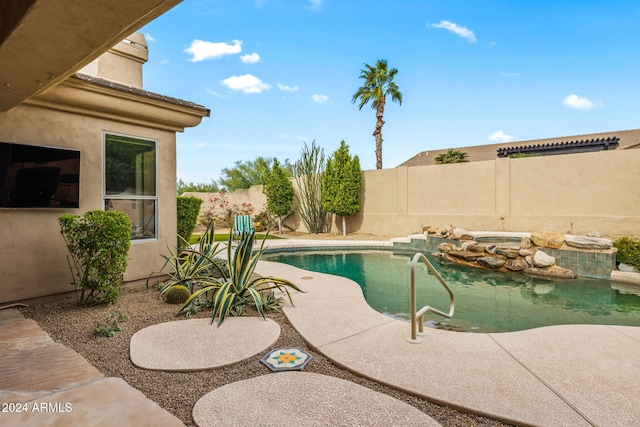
<point>451,156</point>
<point>378,83</point>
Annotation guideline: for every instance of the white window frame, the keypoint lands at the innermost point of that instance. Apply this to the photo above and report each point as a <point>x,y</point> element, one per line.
<point>155,198</point>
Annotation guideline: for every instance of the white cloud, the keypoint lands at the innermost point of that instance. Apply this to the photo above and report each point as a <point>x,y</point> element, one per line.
<point>319,99</point>
<point>510,74</point>
<point>247,84</point>
<point>250,58</point>
<point>213,92</point>
<point>315,4</point>
<point>302,138</point>
<point>463,32</point>
<point>164,61</point>
<point>149,38</point>
<point>286,88</point>
<point>580,103</point>
<point>202,50</point>
<point>500,136</point>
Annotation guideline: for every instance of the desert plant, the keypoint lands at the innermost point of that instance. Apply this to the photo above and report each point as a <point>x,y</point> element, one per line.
<point>270,301</point>
<point>111,324</point>
<point>98,244</point>
<point>177,294</point>
<point>628,251</point>
<point>188,212</point>
<point>221,212</point>
<point>308,173</point>
<point>192,267</point>
<point>451,156</point>
<point>229,295</point>
<point>522,155</point>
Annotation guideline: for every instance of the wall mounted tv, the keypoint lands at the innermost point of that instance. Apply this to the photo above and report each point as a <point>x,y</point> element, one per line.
<point>39,177</point>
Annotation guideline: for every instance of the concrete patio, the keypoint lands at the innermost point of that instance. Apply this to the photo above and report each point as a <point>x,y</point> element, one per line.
<point>575,375</point>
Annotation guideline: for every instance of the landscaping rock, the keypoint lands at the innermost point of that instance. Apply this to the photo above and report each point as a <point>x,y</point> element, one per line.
<point>447,247</point>
<point>491,262</point>
<point>516,264</point>
<point>431,230</point>
<point>508,252</point>
<point>525,243</point>
<point>627,268</point>
<point>542,260</point>
<point>547,239</point>
<point>461,234</point>
<point>553,271</point>
<point>525,252</point>
<point>584,242</point>
<point>465,255</point>
<point>491,249</point>
<point>476,248</point>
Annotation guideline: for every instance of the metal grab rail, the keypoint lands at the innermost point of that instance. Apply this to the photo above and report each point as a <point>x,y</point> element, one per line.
<point>418,317</point>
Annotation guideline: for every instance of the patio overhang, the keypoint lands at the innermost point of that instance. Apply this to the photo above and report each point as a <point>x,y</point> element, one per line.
<point>42,42</point>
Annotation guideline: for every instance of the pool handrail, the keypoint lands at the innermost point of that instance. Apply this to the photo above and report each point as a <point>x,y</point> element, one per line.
<point>417,317</point>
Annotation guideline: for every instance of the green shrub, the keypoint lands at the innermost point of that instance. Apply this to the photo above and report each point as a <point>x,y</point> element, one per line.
<point>112,324</point>
<point>98,244</point>
<point>628,251</point>
<point>188,212</point>
<point>177,295</point>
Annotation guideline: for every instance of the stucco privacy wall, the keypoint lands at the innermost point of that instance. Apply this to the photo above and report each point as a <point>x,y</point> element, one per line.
<point>32,251</point>
<point>575,193</point>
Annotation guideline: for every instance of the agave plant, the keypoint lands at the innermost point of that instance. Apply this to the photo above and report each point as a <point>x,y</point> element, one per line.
<point>231,293</point>
<point>192,267</point>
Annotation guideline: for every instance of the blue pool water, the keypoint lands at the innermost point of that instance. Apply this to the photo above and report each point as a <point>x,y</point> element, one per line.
<point>486,301</point>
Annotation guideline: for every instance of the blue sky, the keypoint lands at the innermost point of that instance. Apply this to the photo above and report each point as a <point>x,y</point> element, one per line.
<point>277,73</point>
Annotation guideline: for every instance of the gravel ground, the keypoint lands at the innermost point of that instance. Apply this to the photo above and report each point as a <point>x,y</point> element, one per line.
<point>178,392</point>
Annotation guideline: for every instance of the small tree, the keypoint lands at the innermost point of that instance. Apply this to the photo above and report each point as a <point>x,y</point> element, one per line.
<point>98,243</point>
<point>342,181</point>
<point>188,212</point>
<point>308,172</point>
<point>451,156</point>
<point>279,191</point>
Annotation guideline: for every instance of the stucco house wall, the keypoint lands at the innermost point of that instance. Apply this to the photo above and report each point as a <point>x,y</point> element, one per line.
<point>76,114</point>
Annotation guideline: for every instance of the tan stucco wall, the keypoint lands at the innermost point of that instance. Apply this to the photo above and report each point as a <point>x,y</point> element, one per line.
<point>32,252</point>
<point>576,194</point>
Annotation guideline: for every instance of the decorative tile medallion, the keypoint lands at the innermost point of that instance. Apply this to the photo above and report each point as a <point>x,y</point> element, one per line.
<point>286,359</point>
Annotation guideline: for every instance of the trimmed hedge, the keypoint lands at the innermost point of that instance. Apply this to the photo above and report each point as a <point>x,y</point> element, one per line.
<point>188,212</point>
<point>628,251</point>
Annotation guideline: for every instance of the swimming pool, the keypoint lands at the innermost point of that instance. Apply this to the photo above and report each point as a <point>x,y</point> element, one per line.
<point>486,301</point>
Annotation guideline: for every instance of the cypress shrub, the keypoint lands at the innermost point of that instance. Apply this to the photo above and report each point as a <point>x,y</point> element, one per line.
<point>188,212</point>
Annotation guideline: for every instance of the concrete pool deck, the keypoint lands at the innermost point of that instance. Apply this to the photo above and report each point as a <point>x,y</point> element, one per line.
<point>576,375</point>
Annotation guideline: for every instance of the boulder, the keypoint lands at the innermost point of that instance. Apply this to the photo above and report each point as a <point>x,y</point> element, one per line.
<point>542,260</point>
<point>491,262</point>
<point>465,255</point>
<point>547,239</point>
<point>459,233</point>
<point>627,268</point>
<point>508,252</point>
<point>525,252</point>
<point>525,243</point>
<point>553,271</point>
<point>584,242</point>
<point>516,264</point>
<point>476,248</point>
<point>429,230</point>
<point>491,249</point>
<point>446,247</point>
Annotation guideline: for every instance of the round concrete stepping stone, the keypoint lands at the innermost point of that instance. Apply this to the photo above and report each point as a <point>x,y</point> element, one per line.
<point>196,344</point>
<point>301,398</point>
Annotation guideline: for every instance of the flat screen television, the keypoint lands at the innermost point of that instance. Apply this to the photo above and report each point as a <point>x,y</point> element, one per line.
<point>34,176</point>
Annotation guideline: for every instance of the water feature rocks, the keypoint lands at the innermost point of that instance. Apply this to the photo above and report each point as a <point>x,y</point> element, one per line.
<point>508,252</point>
<point>525,251</point>
<point>461,234</point>
<point>541,260</point>
<point>547,239</point>
<point>491,262</point>
<point>516,264</point>
<point>553,271</point>
<point>465,255</point>
<point>585,242</point>
<point>446,247</point>
<point>526,243</point>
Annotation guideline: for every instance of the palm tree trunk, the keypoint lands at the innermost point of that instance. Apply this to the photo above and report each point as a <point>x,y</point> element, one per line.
<point>377,134</point>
